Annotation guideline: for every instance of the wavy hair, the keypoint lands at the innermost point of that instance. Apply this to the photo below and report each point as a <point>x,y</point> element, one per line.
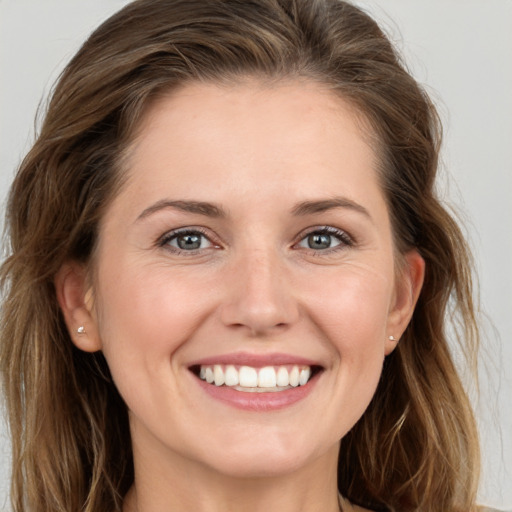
<point>415,448</point>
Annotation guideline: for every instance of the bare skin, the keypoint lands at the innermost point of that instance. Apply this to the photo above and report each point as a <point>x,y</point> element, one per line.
<point>130,504</point>
<point>292,254</point>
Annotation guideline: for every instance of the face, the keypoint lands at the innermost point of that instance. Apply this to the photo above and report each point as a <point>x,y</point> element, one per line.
<point>251,245</point>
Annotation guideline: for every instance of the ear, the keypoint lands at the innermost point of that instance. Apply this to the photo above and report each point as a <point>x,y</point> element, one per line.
<point>75,298</point>
<point>407,290</point>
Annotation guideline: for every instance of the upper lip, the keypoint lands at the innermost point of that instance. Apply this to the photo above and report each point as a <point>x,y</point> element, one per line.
<point>255,360</point>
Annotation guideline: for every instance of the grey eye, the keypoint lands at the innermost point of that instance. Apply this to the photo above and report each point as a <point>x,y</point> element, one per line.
<point>319,241</point>
<point>189,241</point>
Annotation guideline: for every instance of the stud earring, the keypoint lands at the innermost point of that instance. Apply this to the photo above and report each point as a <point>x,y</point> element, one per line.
<point>81,330</point>
<point>392,338</point>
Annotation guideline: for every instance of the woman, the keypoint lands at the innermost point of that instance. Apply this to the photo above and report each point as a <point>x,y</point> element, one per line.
<point>229,273</point>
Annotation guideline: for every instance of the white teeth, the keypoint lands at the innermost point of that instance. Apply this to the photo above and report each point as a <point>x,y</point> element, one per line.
<point>283,378</point>
<point>218,375</point>
<point>247,378</point>
<point>303,377</point>
<point>231,376</point>
<point>294,377</point>
<point>267,377</point>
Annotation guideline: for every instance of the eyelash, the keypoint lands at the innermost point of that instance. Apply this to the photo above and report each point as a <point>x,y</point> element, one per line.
<point>343,237</point>
<point>164,240</point>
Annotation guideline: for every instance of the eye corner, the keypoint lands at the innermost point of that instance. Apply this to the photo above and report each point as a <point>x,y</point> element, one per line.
<point>199,240</point>
<point>325,235</point>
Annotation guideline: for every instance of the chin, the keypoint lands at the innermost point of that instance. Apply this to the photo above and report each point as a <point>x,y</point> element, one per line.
<point>265,458</point>
<point>260,467</point>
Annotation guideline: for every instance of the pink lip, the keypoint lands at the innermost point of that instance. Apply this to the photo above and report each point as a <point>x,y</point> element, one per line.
<point>265,401</point>
<point>255,360</point>
<point>258,402</point>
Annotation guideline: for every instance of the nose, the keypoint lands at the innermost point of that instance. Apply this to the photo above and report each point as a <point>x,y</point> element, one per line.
<point>259,296</point>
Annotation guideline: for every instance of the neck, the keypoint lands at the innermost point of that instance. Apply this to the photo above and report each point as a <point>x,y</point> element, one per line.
<point>176,483</point>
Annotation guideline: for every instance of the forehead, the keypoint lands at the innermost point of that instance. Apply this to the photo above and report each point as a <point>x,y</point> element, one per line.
<point>256,103</point>
<point>252,140</point>
<point>282,118</point>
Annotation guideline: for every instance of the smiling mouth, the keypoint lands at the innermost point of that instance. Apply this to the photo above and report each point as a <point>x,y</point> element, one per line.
<point>256,380</point>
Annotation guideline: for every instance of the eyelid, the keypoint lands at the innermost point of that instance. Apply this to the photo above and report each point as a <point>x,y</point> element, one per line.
<point>163,241</point>
<point>346,240</point>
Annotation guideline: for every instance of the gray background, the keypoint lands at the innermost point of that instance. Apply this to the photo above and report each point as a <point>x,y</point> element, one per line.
<point>461,48</point>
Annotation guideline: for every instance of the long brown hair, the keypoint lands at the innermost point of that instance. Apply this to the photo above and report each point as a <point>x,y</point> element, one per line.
<point>415,448</point>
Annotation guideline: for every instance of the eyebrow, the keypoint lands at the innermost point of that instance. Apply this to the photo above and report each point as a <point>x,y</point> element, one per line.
<point>216,211</point>
<point>322,205</point>
<point>198,207</point>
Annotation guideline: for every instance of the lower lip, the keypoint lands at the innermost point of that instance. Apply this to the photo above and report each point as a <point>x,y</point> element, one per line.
<point>270,401</point>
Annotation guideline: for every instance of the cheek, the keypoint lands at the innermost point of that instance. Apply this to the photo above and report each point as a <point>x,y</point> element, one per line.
<point>352,306</point>
<point>350,311</point>
<point>150,308</point>
<point>145,315</point>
